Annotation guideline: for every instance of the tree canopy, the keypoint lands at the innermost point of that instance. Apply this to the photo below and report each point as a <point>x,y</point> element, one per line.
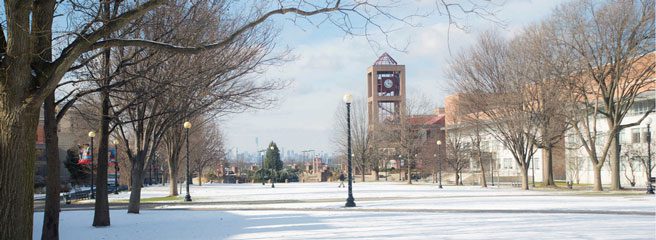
<point>272,159</point>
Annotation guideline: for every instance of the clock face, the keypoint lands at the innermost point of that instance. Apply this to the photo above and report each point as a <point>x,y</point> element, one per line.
<point>388,83</point>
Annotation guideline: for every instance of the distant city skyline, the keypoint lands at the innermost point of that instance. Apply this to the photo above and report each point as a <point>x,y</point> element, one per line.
<point>329,64</point>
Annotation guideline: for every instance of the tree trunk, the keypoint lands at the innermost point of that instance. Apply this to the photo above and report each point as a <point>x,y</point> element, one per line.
<point>457,178</point>
<point>524,171</point>
<point>409,173</point>
<point>50,228</point>
<point>547,168</point>
<point>17,158</point>
<point>101,213</point>
<point>480,162</point>
<point>200,176</point>
<point>597,179</point>
<point>173,183</point>
<point>363,173</point>
<point>377,177</point>
<point>615,163</point>
<point>136,172</point>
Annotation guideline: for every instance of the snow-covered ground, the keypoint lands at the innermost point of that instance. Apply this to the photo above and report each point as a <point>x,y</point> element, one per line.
<point>385,210</point>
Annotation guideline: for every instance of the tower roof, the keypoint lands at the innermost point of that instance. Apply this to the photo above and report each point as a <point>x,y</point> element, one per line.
<point>385,59</point>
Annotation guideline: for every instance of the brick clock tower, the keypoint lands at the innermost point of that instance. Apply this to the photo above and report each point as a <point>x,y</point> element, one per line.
<point>385,90</point>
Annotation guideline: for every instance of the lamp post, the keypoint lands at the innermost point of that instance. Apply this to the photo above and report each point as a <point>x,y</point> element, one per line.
<point>350,201</point>
<point>439,143</point>
<point>92,134</point>
<point>187,126</point>
<point>650,188</point>
<point>116,167</point>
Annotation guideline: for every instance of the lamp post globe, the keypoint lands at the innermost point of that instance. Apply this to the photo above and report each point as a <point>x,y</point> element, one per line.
<point>350,201</point>
<point>650,188</point>
<point>92,135</point>
<point>187,126</point>
<point>348,98</point>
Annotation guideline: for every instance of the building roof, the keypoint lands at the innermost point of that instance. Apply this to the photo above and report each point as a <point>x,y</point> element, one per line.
<point>385,59</point>
<point>426,119</point>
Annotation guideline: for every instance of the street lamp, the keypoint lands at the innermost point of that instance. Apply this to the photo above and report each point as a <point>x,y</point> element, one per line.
<point>438,142</point>
<point>650,188</point>
<point>350,201</point>
<point>116,167</point>
<point>92,134</point>
<point>187,126</point>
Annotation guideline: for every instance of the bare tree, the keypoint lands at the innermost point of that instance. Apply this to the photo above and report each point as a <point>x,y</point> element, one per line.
<point>487,76</point>
<point>216,82</point>
<point>636,156</point>
<point>474,123</point>
<point>548,106</point>
<point>457,153</point>
<point>404,133</point>
<point>629,163</point>
<point>208,149</point>
<point>575,161</point>
<point>611,44</point>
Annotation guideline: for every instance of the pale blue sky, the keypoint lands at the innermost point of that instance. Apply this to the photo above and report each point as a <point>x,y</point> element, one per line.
<point>329,64</point>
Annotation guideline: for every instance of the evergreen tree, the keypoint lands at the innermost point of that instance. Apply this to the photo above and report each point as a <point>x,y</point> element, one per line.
<point>272,159</point>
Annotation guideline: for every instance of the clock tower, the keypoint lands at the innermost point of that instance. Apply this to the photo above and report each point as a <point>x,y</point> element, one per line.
<point>385,90</point>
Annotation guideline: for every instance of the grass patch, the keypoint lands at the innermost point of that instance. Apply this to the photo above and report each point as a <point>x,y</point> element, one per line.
<point>155,199</point>
<point>161,199</point>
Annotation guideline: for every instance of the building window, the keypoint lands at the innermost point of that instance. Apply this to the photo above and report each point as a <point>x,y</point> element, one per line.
<point>507,163</point>
<point>635,135</point>
<point>644,135</point>
<point>641,107</point>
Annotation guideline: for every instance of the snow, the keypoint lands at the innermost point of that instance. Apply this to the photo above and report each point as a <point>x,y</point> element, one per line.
<point>384,210</point>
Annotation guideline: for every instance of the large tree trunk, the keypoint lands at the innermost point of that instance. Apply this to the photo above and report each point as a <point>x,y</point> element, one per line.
<point>377,177</point>
<point>480,162</point>
<point>363,172</point>
<point>457,178</point>
<point>173,176</point>
<point>615,164</point>
<point>547,168</point>
<point>42,25</point>
<point>524,171</point>
<point>17,158</point>
<point>50,228</point>
<point>597,179</point>
<point>101,213</point>
<point>136,172</point>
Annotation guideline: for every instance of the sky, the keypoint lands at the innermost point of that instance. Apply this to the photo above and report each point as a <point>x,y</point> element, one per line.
<point>328,63</point>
